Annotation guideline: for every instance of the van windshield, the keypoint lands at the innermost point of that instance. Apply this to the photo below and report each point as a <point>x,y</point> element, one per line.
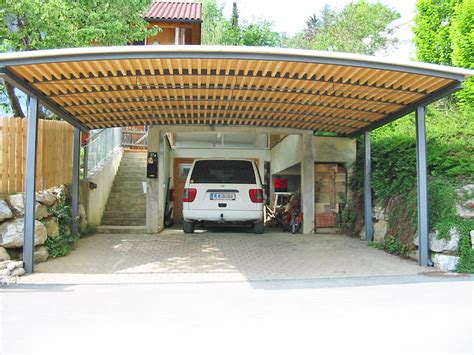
<point>223,171</point>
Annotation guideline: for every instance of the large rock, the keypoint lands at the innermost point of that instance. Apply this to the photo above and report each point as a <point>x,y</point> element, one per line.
<point>52,226</point>
<point>18,204</point>
<point>466,207</point>
<point>4,256</point>
<point>41,211</point>
<point>46,198</point>
<point>60,192</point>
<point>82,218</point>
<point>380,213</point>
<point>41,254</point>
<point>4,264</point>
<point>14,264</point>
<point>17,272</point>
<point>443,244</point>
<point>5,211</point>
<point>12,233</point>
<point>445,262</point>
<point>380,231</point>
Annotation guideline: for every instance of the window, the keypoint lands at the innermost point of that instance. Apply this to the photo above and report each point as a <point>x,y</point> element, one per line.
<point>223,171</point>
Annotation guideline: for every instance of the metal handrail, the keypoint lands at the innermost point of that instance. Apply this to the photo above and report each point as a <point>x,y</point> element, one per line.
<point>100,149</point>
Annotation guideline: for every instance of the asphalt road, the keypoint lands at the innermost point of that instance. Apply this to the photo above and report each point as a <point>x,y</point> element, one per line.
<point>383,315</point>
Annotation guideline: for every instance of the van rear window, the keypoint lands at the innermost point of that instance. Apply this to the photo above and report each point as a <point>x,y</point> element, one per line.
<point>223,171</point>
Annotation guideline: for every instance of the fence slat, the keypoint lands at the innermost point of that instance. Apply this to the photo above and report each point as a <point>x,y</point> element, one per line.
<point>54,159</point>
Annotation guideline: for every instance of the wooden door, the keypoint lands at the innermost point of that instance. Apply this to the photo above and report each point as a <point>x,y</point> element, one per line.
<point>180,172</point>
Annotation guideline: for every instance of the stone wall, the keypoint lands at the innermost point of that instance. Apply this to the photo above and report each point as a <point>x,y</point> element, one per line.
<point>12,212</point>
<point>444,251</point>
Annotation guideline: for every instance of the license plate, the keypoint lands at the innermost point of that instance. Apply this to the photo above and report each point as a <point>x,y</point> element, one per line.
<point>222,196</point>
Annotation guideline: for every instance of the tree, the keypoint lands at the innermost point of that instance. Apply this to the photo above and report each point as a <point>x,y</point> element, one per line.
<point>444,34</point>
<point>213,23</point>
<point>260,33</point>
<point>43,24</point>
<point>359,27</point>
<point>432,30</point>
<point>234,34</point>
<point>462,36</point>
<point>216,29</point>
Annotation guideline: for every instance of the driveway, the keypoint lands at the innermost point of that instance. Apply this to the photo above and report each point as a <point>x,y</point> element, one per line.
<point>218,256</point>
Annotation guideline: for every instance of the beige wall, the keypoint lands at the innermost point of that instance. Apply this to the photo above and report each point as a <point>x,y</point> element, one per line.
<point>94,200</point>
<point>287,152</point>
<point>335,150</point>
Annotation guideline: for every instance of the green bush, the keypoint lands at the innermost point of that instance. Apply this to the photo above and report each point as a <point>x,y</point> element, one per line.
<point>450,149</point>
<point>62,244</point>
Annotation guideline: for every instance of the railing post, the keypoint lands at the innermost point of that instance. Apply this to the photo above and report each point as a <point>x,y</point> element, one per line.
<point>30,185</point>
<point>86,161</point>
<point>422,187</point>
<point>75,182</point>
<point>369,228</point>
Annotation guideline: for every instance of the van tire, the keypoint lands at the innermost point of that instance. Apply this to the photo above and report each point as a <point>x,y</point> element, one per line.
<point>188,227</point>
<point>258,228</point>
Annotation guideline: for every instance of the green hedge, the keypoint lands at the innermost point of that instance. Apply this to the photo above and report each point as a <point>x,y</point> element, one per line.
<point>450,165</point>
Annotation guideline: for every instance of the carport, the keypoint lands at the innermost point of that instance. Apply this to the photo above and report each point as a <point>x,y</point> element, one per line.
<point>228,88</point>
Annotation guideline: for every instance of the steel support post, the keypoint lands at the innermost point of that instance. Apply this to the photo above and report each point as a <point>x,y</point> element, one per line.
<point>422,175</point>
<point>75,182</point>
<point>369,228</point>
<point>30,185</point>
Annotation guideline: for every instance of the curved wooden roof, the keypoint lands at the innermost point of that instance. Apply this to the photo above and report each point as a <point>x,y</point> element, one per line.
<point>234,86</point>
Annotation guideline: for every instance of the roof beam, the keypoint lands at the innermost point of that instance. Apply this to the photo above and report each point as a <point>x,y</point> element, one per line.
<point>85,77</point>
<point>206,52</point>
<point>447,90</point>
<point>28,89</point>
<point>218,106</point>
<point>175,119</point>
<point>192,100</point>
<point>148,99</point>
<point>145,87</point>
<point>184,128</point>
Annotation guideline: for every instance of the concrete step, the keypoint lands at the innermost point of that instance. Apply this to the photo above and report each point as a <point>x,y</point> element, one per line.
<point>127,171</point>
<point>138,158</point>
<point>107,229</point>
<point>128,194</point>
<point>111,207</point>
<point>126,182</point>
<point>125,177</point>
<point>116,221</point>
<point>124,214</point>
<point>136,189</point>
<point>127,198</point>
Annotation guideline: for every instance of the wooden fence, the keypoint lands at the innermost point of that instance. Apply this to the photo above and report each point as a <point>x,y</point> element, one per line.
<point>54,155</point>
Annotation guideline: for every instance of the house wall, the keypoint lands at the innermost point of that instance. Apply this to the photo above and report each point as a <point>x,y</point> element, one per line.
<point>94,200</point>
<point>287,152</point>
<point>167,36</point>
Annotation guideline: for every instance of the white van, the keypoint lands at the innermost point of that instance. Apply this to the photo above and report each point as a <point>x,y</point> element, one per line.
<point>223,191</point>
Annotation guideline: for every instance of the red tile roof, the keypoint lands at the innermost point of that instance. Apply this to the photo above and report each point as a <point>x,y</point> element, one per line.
<point>174,11</point>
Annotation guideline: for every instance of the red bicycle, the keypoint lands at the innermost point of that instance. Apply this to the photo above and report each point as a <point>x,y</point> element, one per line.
<point>293,218</point>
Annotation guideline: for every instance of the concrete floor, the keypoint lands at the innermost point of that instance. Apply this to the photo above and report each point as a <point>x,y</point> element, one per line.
<point>219,255</point>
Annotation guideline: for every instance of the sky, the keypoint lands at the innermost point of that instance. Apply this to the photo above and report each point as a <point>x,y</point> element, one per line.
<point>292,20</point>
